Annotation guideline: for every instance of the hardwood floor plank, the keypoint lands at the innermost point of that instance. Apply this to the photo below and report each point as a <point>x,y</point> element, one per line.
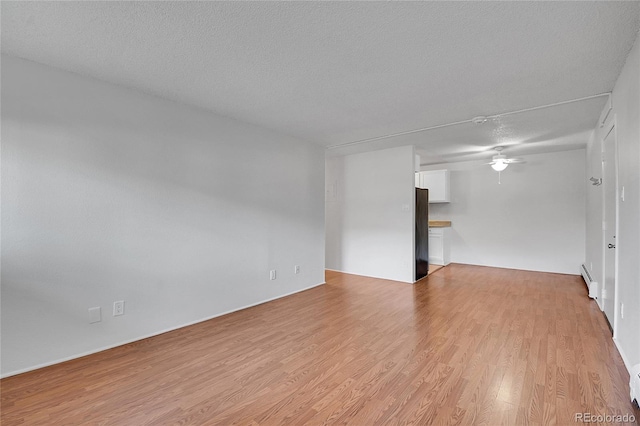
<point>466,345</point>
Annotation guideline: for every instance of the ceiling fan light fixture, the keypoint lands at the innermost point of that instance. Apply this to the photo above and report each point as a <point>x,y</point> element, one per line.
<point>499,165</point>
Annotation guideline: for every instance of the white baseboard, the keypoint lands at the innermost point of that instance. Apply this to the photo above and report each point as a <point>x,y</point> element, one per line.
<point>146,336</point>
<point>622,355</point>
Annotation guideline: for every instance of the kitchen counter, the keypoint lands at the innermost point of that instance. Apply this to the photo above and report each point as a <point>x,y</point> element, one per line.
<point>439,224</point>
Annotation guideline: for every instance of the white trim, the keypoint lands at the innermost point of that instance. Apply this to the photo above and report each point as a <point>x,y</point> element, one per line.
<point>612,126</point>
<point>616,259</point>
<point>413,221</point>
<point>600,303</point>
<point>146,336</point>
<point>605,111</point>
<point>622,355</point>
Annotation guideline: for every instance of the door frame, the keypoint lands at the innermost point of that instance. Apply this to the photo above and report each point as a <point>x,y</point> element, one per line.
<point>610,127</point>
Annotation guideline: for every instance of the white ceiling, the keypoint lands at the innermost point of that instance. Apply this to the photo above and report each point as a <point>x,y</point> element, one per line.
<point>343,72</point>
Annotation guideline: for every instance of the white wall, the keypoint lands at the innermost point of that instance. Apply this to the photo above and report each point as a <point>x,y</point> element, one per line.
<point>367,230</point>
<point>626,116</point>
<point>109,194</point>
<point>534,220</point>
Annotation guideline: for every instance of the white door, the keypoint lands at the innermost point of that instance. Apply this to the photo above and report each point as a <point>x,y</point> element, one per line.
<point>610,217</point>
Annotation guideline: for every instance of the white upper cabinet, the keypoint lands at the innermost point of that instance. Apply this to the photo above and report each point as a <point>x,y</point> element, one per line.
<point>437,182</point>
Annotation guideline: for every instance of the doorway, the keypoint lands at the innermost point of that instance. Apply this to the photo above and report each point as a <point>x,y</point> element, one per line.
<point>610,224</point>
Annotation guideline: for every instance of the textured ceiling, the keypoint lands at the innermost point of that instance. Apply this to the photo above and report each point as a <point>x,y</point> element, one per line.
<point>341,72</point>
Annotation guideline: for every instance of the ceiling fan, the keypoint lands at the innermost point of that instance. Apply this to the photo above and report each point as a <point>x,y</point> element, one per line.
<point>501,162</point>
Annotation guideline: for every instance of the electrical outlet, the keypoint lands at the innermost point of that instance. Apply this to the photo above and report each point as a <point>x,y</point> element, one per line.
<point>272,274</point>
<point>296,269</point>
<point>118,308</point>
<point>622,310</point>
<point>95,315</point>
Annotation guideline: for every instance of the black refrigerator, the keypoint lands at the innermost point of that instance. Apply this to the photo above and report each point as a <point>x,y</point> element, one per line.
<point>422,233</point>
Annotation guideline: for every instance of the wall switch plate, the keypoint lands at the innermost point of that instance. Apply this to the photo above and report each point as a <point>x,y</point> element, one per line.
<point>118,308</point>
<point>622,193</point>
<point>622,310</point>
<point>272,274</point>
<point>604,293</point>
<point>296,269</point>
<point>95,315</point>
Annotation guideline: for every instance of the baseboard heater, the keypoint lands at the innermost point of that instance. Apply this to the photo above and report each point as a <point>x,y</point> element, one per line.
<point>591,284</point>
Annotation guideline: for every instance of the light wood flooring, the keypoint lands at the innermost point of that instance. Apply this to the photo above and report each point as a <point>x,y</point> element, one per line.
<point>433,268</point>
<point>467,345</point>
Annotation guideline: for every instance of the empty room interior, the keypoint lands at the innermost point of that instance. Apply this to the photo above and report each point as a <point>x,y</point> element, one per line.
<point>320,213</point>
